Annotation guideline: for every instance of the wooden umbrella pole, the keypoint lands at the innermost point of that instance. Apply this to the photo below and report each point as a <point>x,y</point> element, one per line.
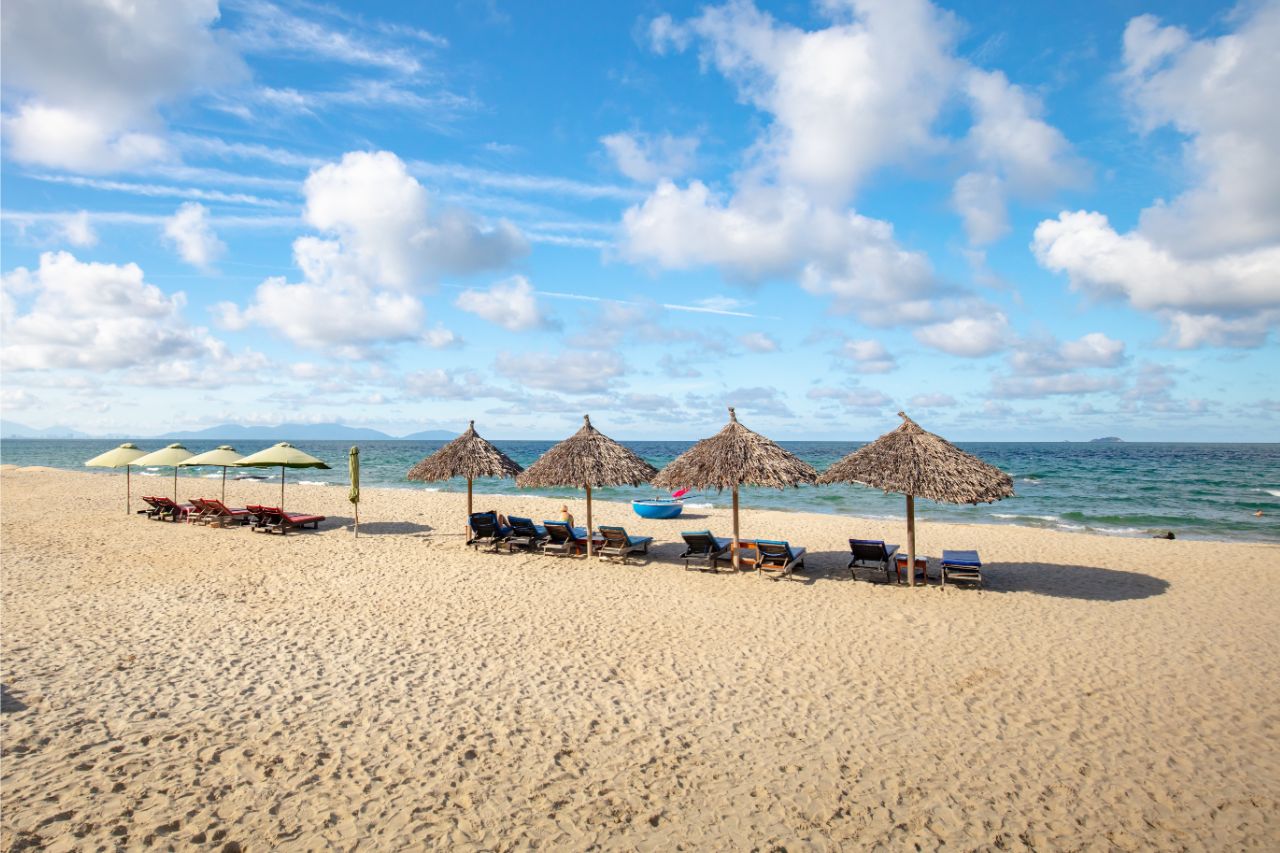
<point>469,509</point>
<point>590,538</point>
<point>911,540</point>
<point>282,489</point>
<point>224,483</point>
<point>737,546</point>
<point>128,487</point>
<point>175,483</point>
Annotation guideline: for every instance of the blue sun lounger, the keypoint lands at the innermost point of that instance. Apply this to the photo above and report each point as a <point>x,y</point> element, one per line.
<point>961,566</point>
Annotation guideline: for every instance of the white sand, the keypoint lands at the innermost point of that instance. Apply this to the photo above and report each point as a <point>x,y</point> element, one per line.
<point>194,687</point>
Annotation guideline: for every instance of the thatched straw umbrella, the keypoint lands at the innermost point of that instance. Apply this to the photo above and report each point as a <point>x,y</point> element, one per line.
<point>468,456</point>
<point>585,459</point>
<point>733,457</point>
<point>911,461</point>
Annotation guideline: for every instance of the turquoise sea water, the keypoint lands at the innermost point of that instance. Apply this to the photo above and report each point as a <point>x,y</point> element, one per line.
<point>1199,491</point>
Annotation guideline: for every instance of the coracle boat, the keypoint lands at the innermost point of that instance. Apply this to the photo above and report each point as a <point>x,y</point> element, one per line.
<point>658,507</point>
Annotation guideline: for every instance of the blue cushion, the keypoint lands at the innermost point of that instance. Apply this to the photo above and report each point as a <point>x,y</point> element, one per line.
<point>962,558</point>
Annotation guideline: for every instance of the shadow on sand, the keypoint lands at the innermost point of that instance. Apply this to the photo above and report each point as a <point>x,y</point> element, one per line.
<point>378,528</point>
<point>10,704</point>
<point>1087,583</point>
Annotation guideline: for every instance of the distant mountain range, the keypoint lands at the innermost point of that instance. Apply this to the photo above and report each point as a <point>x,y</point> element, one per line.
<point>283,432</point>
<point>13,429</point>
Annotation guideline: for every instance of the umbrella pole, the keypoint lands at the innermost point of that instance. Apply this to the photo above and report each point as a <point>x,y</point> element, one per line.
<point>175,483</point>
<point>737,559</point>
<point>282,489</point>
<point>590,539</point>
<point>469,508</point>
<point>911,540</point>
<point>224,483</point>
<point>128,487</point>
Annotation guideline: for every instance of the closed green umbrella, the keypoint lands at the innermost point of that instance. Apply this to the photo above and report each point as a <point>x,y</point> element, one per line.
<point>222,457</point>
<point>166,457</point>
<point>353,464</point>
<point>282,455</point>
<point>124,456</point>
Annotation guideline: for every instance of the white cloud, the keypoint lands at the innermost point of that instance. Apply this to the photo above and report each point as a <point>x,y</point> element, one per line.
<point>868,356</point>
<point>1208,262</point>
<point>77,230</point>
<point>269,29</point>
<point>386,232</point>
<point>1041,358</point>
<point>91,76</point>
<point>438,337</point>
<point>842,102</point>
<point>758,342</point>
<point>569,372</point>
<point>768,233</point>
<point>191,232</point>
<point>646,158</point>
<point>96,317</point>
<point>967,336</point>
<point>511,304</point>
<point>383,242</point>
<point>440,385</point>
<point>1017,152</point>
<point>322,315</point>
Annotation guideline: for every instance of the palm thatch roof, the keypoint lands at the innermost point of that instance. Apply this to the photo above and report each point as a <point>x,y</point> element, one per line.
<point>468,456</point>
<point>587,458</point>
<point>735,456</point>
<point>912,461</point>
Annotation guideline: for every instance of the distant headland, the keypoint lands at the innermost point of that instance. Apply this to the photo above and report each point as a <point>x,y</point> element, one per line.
<point>1107,439</point>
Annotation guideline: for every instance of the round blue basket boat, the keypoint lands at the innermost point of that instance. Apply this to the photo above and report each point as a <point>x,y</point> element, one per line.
<point>658,508</point>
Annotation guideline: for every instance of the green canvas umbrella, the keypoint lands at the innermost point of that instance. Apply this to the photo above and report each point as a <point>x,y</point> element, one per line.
<point>124,456</point>
<point>353,465</point>
<point>222,457</point>
<point>166,457</point>
<point>282,455</point>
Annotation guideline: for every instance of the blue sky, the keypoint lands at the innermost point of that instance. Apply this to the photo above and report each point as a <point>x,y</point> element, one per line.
<point>1011,220</point>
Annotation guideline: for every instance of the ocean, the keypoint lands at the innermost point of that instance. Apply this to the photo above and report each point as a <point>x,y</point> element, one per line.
<point>1198,491</point>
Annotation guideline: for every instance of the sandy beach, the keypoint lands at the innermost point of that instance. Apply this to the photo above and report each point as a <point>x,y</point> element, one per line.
<point>179,687</point>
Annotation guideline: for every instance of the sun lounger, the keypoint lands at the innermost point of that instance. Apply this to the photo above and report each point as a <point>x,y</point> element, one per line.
<point>701,546</point>
<point>153,506</point>
<point>871,552</point>
<point>564,540</point>
<point>486,531</point>
<point>271,519</point>
<point>167,510</point>
<point>776,556</point>
<point>221,515</point>
<point>525,535</point>
<point>961,566</point>
<point>618,544</point>
<point>200,511</point>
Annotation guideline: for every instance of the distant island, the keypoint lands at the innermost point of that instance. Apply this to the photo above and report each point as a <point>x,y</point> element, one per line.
<point>1109,439</point>
<point>241,432</point>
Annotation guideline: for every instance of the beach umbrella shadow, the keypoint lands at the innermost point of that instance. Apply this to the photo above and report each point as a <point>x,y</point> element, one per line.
<point>1087,583</point>
<point>383,528</point>
<point>10,704</point>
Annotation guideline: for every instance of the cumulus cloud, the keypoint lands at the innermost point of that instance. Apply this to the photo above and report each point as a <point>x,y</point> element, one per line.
<point>967,336</point>
<point>191,233</point>
<point>96,317</point>
<point>647,158</point>
<point>90,76</point>
<point>385,231</point>
<point>1044,357</point>
<point>1016,151</point>
<point>511,304</point>
<point>382,242</point>
<point>439,337</point>
<point>932,401</point>
<point>758,342</point>
<point>1207,262</point>
<point>868,356</point>
<point>854,399</point>
<point>1045,386</point>
<point>843,101</point>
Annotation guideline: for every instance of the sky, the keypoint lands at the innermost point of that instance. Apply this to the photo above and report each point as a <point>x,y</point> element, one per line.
<point>1013,221</point>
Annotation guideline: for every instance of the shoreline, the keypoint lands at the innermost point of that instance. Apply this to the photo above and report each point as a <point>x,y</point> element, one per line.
<point>1066,527</point>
